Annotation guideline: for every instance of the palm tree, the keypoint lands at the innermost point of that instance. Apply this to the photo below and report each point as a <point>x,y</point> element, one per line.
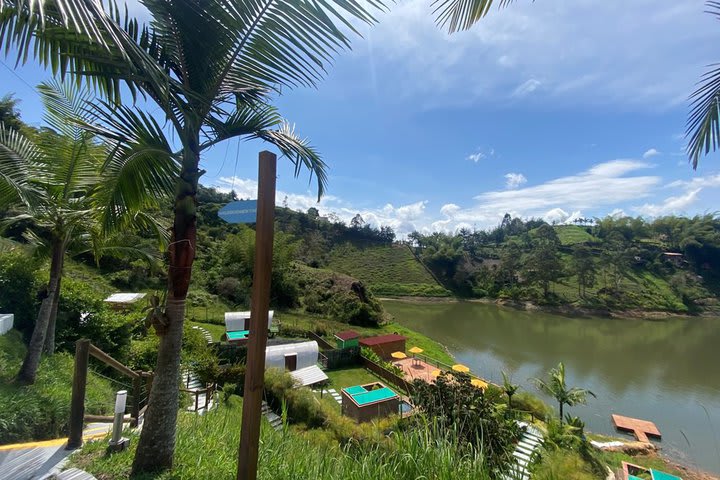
<point>211,67</point>
<point>703,124</point>
<point>556,387</point>
<point>509,388</point>
<point>52,178</point>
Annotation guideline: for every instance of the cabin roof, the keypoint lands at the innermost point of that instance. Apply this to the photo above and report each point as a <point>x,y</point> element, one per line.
<point>347,335</point>
<point>381,339</point>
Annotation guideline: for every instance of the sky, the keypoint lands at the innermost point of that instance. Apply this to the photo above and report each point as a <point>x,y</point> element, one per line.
<point>547,109</point>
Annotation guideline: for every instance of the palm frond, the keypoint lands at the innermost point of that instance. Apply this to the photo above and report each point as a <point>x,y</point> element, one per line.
<point>17,155</point>
<point>300,153</point>
<point>458,15</point>
<point>703,124</point>
<point>140,169</point>
<point>65,107</point>
<point>81,38</point>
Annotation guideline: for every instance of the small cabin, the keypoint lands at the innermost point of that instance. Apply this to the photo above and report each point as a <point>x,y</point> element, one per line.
<point>237,326</point>
<point>123,301</point>
<point>300,359</point>
<point>364,403</point>
<point>385,345</point>
<point>347,339</point>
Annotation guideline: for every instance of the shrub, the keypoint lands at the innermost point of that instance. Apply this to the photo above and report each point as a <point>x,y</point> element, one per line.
<point>42,410</point>
<point>457,408</point>
<point>527,402</point>
<point>562,465</point>
<point>18,289</point>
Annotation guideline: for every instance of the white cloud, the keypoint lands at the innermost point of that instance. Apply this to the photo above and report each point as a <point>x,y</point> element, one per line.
<point>697,182</point>
<point>514,180</point>
<point>617,213</point>
<point>449,209</point>
<point>602,53</point>
<point>671,205</point>
<point>650,153</point>
<point>526,88</point>
<point>476,157</point>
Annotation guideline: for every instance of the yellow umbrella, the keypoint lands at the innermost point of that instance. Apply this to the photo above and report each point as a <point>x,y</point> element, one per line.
<point>476,382</point>
<point>460,368</point>
<point>415,350</point>
<point>435,373</point>
<point>398,355</point>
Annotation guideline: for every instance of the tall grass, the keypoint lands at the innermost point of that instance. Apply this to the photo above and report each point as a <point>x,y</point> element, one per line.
<point>207,448</point>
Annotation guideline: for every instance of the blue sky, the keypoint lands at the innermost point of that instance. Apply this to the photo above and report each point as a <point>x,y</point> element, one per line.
<point>548,109</point>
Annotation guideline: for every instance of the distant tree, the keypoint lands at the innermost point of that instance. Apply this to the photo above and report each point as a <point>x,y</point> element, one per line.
<point>583,267</point>
<point>556,387</point>
<point>616,258</point>
<point>313,213</point>
<point>387,234</point>
<point>510,264</point>
<point>543,265</point>
<point>9,113</point>
<point>509,388</point>
<point>357,222</point>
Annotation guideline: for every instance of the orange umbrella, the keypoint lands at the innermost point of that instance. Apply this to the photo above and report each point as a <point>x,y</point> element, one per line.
<point>460,368</point>
<point>415,350</point>
<point>398,355</point>
<point>435,373</point>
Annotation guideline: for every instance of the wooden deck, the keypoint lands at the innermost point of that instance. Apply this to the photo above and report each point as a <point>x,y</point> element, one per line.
<point>416,369</point>
<point>640,428</point>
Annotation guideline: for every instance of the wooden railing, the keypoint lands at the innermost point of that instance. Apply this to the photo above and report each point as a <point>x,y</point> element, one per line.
<point>321,341</point>
<point>140,380</point>
<point>209,390</point>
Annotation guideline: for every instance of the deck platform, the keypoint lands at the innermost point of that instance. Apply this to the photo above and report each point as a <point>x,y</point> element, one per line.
<point>640,428</point>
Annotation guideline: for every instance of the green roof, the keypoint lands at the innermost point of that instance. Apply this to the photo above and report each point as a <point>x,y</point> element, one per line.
<point>365,397</point>
<point>658,475</point>
<point>237,334</point>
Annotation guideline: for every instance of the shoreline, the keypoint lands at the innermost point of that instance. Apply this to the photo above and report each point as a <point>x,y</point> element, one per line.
<point>567,310</point>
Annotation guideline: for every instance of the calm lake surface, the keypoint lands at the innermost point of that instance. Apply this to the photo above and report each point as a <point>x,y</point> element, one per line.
<point>665,371</point>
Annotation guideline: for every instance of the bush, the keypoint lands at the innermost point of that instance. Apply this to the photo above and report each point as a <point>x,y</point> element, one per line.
<point>42,410</point>
<point>527,402</point>
<point>83,314</point>
<point>562,465</point>
<point>18,289</point>
<point>457,408</point>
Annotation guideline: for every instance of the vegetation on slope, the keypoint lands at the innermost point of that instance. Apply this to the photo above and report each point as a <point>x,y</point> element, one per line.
<point>208,444</point>
<point>390,270</point>
<point>42,410</point>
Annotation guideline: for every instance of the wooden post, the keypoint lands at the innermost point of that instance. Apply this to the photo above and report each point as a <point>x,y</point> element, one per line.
<point>135,407</point>
<point>77,403</point>
<point>260,304</point>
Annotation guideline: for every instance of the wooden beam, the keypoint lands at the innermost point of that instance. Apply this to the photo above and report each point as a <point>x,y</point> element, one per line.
<point>77,403</point>
<point>107,359</point>
<point>260,304</point>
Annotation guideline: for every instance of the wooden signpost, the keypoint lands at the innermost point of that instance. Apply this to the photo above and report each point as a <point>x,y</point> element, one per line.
<point>259,307</point>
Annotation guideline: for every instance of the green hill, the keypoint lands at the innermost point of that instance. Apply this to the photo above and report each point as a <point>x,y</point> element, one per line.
<point>572,234</point>
<point>386,269</point>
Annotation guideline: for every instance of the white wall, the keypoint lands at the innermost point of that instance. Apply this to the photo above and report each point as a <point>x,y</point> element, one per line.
<point>6,322</point>
<point>307,354</point>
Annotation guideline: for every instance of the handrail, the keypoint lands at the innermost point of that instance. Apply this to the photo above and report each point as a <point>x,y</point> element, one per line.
<point>107,359</point>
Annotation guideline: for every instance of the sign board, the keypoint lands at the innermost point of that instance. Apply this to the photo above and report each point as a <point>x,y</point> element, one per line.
<point>241,211</point>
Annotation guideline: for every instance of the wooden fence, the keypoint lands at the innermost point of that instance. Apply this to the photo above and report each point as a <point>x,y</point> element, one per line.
<point>387,375</point>
<point>138,396</point>
<point>324,344</point>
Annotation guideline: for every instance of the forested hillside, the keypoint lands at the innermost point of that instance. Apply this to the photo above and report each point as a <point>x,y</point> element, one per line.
<point>669,264</point>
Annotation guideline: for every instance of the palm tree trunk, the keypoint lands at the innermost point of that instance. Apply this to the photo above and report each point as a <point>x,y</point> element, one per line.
<point>30,365</point>
<point>50,335</point>
<point>561,413</point>
<point>157,440</point>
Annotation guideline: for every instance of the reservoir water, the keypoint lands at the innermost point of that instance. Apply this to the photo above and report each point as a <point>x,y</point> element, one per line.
<point>666,371</point>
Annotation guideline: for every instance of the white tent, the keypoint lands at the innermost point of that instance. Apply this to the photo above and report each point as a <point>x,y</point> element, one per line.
<point>124,298</point>
<point>307,354</point>
<point>6,322</point>
<point>235,321</point>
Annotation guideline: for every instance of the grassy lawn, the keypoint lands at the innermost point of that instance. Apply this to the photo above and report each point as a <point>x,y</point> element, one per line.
<point>215,330</point>
<point>348,377</point>
<point>308,322</point>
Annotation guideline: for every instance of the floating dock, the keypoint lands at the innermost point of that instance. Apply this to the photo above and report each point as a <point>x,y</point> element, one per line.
<point>640,428</point>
